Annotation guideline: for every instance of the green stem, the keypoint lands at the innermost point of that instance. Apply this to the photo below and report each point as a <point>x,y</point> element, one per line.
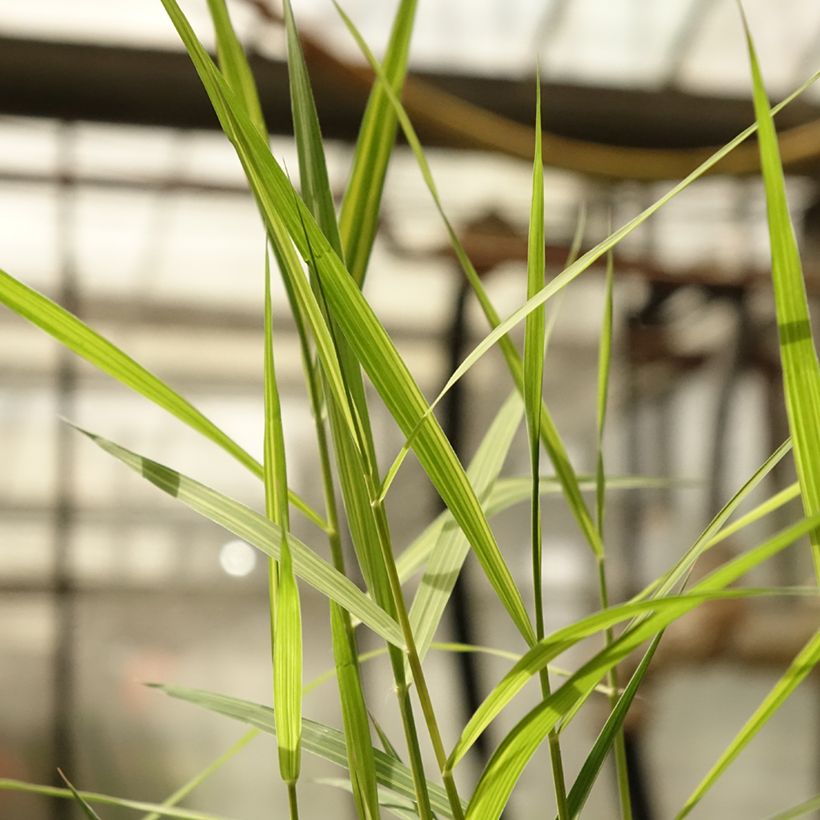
<point>556,760</point>
<point>293,803</point>
<point>413,656</point>
<point>619,744</point>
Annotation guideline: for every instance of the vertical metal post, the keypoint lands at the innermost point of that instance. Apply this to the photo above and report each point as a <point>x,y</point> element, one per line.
<point>63,671</point>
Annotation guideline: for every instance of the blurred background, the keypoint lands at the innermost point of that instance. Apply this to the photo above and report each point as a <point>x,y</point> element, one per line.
<point>120,199</point>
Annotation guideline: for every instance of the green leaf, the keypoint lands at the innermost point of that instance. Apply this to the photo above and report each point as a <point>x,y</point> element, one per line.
<point>318,196</point>
<point>805,662</point>
<point>801,371</point>
<point>361,764</point>
<point>557,643</point>
<point>286,616</point>
<point>318,739</point>
<point>664,610</point>
<point>260,533</point>
<point>234,63</point>
<point>391,802</point>
<point>511,757</point>
<point>534,339</point>
<point>313,176</point>
<point>7,784</point>
<point>359,216</point>
<point>506,493</point>
<point>450,548</point>
<point>800,810</point>
<point>89,345</point>
<point>715,532</point>
<point>549,432</point>
<point>574,270</point>
<point>604,365</point>
<point>591,767</point>
<point>366,336</point>
<point>86,809</point>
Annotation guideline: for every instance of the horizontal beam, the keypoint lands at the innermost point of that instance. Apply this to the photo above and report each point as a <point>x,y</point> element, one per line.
<point>154,87</point>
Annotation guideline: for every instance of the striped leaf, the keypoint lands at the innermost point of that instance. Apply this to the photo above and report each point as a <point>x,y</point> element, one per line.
<point>801,371</point>
<point>367,337</point>
<point>91,346</point>
<point>802,666</point>
<point>318,739</point>
<point>260,533</point>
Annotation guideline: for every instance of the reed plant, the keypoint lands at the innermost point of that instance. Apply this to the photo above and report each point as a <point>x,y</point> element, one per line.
<point>322,256</point>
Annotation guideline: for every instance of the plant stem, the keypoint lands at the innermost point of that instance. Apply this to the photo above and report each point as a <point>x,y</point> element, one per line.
<point>556,760</point>
<point>413,656</point>
<point>293,803</point>
<point>621,765</point>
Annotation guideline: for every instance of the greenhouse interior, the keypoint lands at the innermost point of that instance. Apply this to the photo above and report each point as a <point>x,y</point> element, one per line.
<point>123,202</point>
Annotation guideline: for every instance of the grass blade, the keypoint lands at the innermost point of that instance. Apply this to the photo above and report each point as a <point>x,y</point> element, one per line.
<point>313,176</point>
<point>317,739</point>
<point>260,533</point>
<point>533,386</point>
<point>549,433</point>
<point>234,63</point>
<point>517,748</point>
<point>7,784</point>
<point>553,645</point>
<point>449,549</point>
<point>583,263</point>
<point>85,808</point>
<point>801,810</point>
<point>801,371</point>
<point>805,662</point>
<point>604,366</point>
<point>286,617</point>
<point>98,351</point>
<point>506,493</point>
<point>534,337</point>
<point>318,196</point>
<point>391,802</point>
<point>359,217</point>
<point>711,535</point>
<point>368,339</point>
<point>582,786</point>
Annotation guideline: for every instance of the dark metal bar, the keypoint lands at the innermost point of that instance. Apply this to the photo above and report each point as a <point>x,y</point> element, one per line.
<point>453,423</point>
<point>155,87</point>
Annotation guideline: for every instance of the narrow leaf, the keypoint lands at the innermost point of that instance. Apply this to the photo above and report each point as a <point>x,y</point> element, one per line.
<point>549,432</point>
<point>801,371</point>
<point>359,216</point>
<point>86,809</point>
<point>88,344</point>
<point>557,643</point>
<point>591,767</point>
<point>805,662</point>
<point>313,176</point>
<point>7,784</point>
<point>604,365</point>
<point>510,759</point>
<point>801,810</point>
<point>450,548</point>
<point>367,337</point>
<point>286,617</point>
<point>234,63</point>
<point>260,533</point>
<point>574,270</point>
<point>317,739</point>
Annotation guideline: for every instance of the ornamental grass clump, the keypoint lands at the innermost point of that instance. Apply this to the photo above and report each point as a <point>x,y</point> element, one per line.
<point>322,256</point>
